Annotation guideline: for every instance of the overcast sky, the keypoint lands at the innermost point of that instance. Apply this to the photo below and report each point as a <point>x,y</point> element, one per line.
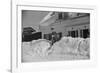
<point>32,18</point>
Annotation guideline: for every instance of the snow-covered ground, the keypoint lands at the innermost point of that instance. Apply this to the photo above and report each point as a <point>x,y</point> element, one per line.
<point>66,49</point>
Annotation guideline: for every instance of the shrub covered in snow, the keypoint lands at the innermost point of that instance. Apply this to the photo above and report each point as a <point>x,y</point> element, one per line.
<point>84,47</point>
<point>69,45</point>
<point>40,47</point>
<point>66,46</point>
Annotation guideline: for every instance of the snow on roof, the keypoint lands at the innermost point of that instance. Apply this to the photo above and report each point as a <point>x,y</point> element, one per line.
<point>48,19</point>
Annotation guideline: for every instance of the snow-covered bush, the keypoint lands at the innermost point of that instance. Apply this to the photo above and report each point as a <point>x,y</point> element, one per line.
<point>84,47</point>
<point>69,45</point>
<point>40,47</point>
<point>26,49</point>
<point>66,46</point>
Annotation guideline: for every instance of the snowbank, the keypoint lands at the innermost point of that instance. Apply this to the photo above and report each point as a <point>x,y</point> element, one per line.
<point>41,47</point>
<point>69,45</point>
<point>66,46</point>
<point>37,47</point>
<point>84,47</point>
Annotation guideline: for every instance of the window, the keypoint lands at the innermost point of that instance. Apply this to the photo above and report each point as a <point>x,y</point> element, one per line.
<point>86,33</point>
<point>60,16</point>
<point>73,33</point>
<point>76,33</point>
<point>81,33</point>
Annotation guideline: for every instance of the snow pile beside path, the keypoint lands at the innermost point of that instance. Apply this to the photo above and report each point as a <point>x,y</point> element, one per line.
<point>66,46</point>
<point>26,49</point>
<point>84,47</point>
<point>36,47</point>
<point>69,45</point>
<point>40,47</point>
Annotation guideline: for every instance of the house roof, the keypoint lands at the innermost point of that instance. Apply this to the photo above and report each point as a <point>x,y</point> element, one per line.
<point>48,19</point>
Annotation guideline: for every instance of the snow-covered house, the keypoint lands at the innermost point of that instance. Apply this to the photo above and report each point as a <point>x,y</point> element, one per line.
<point>58,24</point>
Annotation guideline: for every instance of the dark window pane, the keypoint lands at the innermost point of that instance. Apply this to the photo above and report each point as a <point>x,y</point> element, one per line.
<point>73,33</point>
<point>81,33</point>
<point>60,16</point>
<point>86,33</point>
<point>76,33</point>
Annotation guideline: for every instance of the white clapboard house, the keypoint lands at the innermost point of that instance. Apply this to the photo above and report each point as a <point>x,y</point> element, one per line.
<point>57,24</point>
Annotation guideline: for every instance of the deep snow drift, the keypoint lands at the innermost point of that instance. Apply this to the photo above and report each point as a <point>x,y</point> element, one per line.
<point>67,48</point>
